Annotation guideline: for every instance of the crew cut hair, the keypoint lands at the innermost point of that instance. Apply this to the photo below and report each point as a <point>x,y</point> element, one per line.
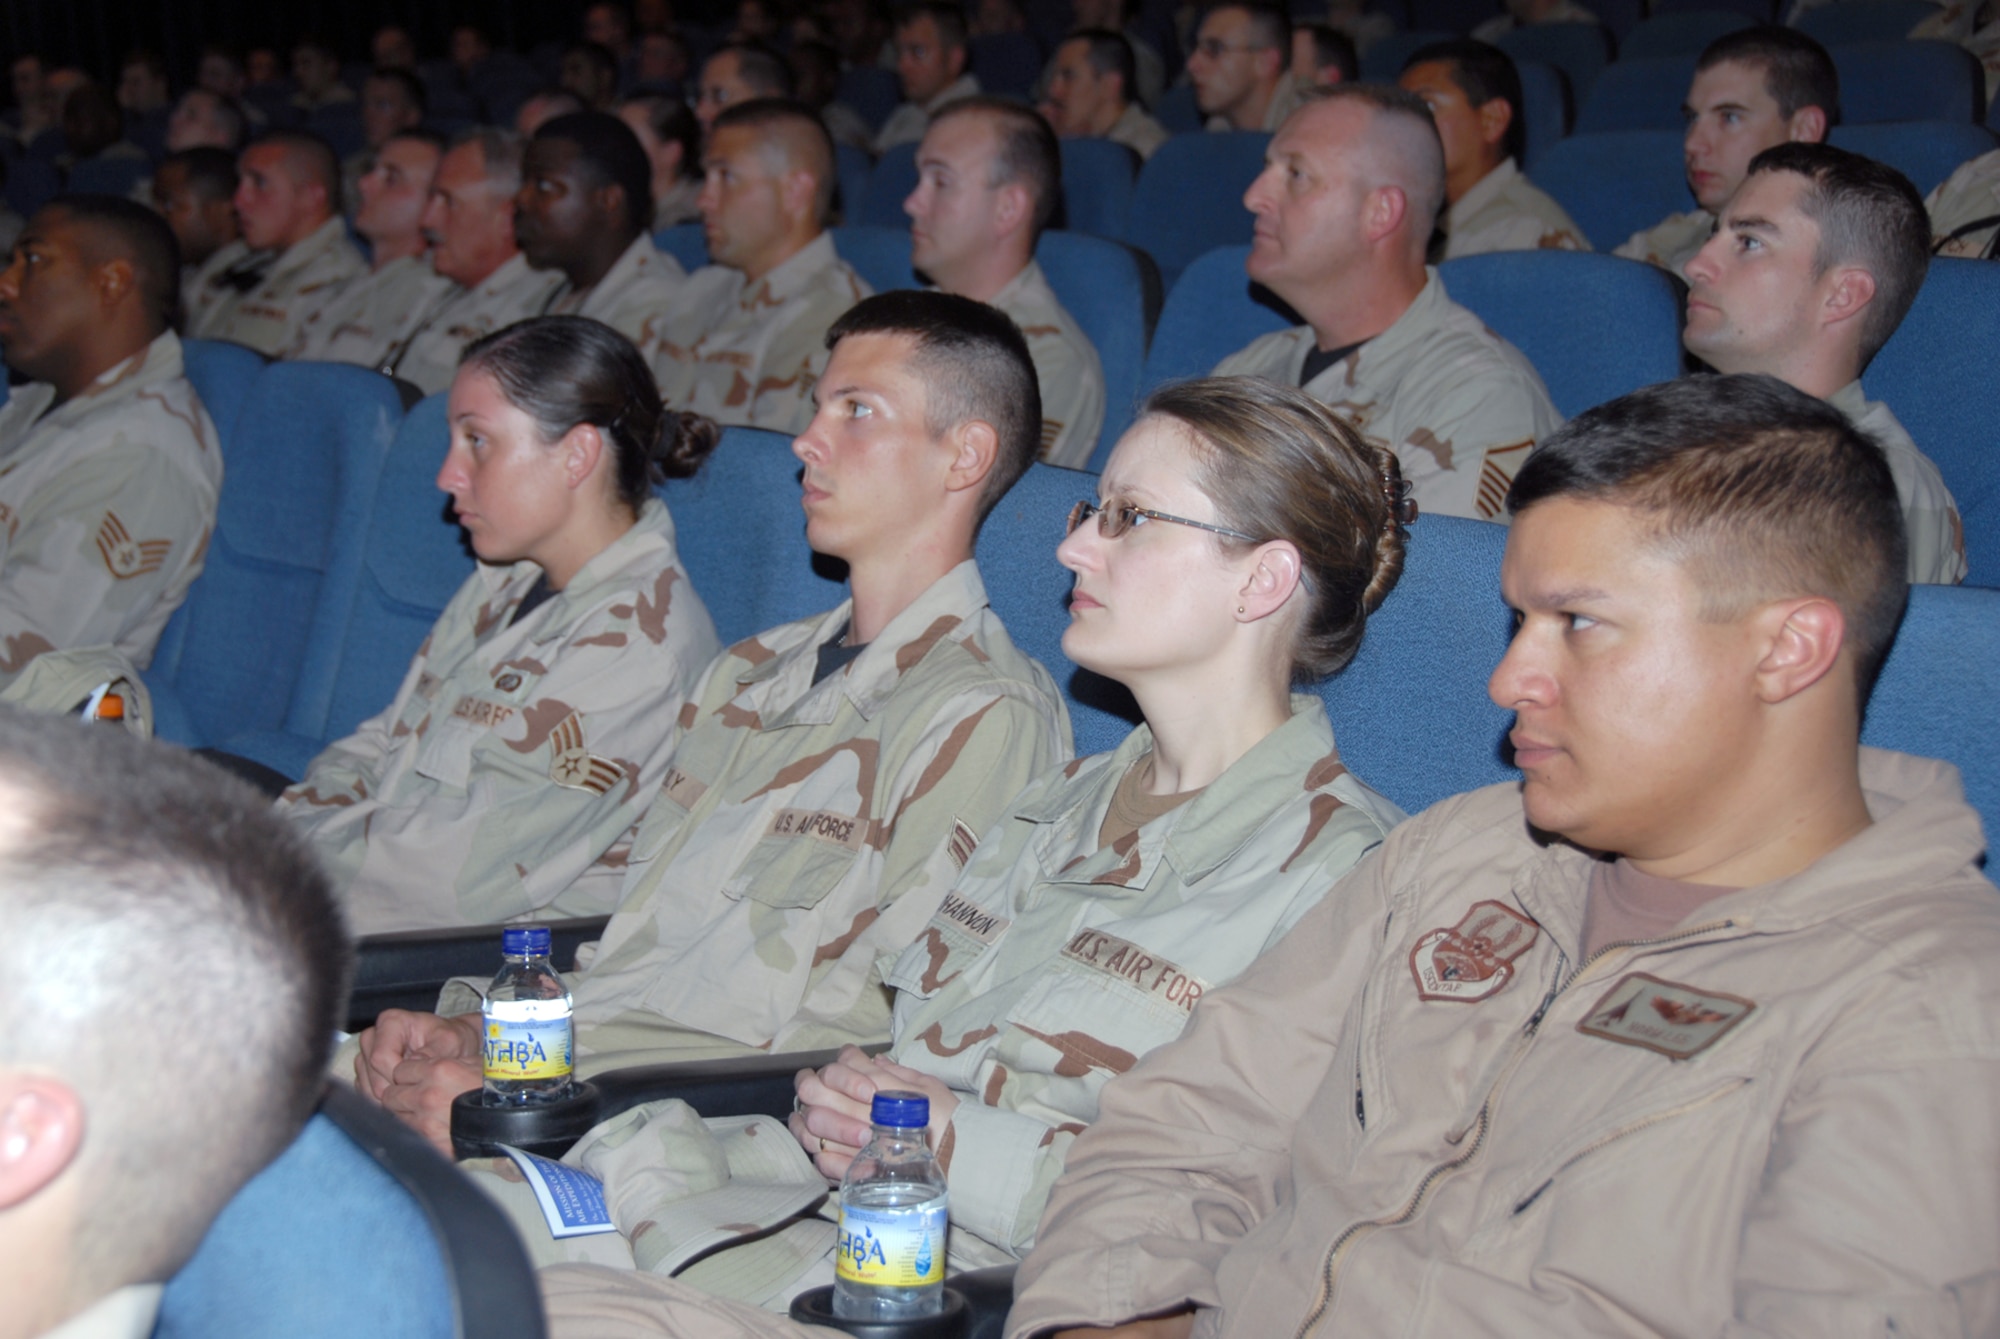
<point>1110,53</point>
<point>127,230</point>
<point>1270,25</point>
<point>800,124</point>
<point>1798,72</point>
<point>1760,491</point>
<point>607,149</point>
<point>950,21</point>
<point>1027,151</point>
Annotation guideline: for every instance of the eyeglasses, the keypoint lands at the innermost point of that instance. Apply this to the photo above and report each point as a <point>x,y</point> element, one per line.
<point>1215,48</point>
<point>1113,521</point>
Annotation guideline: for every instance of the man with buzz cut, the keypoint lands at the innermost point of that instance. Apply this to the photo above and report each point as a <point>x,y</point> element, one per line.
<point>746,339</point>
<point>1090,93</point>
<point>1815,261</point>
<point>1350,193</point>
<point>1752,90</point>
<point>833,774</point>
<point>1693,1030</point>
<point>931,56</point>
<point>989,177</point>
<point>1240,66</point>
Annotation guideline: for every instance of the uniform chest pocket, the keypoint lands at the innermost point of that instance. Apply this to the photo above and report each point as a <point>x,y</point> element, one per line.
<point>446,753</point>
<point>1106,1001</point>
<point>799,857</point>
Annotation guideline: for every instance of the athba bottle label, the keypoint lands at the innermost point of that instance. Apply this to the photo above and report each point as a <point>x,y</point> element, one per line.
<point>892,1248</point>
<point>527,1040</point>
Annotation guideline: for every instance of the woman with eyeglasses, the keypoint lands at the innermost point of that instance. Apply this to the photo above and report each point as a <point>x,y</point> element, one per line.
<point>1243,537</point>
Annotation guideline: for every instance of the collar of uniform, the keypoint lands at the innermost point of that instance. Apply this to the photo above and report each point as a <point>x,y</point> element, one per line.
<point>128,1313</point>
<point>328,236</point>
<point>1131,120</point>
<point>1483,193</point>
<point>1026,286</point>
<point>641,255</point>
<point>1416,323</point>
<point>511,583</point>
<point>965,86</point>
<point>1850,400</point>
<point>159,361</point>
<point>792,275</point>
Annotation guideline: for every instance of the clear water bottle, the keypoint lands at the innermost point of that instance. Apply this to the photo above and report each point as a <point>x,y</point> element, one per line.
<point>892,1219</point>
<point>526,1057</point>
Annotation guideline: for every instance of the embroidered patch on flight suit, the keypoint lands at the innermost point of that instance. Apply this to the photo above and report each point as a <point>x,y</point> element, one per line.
<point>683,789</point>
<point>574,766</point>
<point>1675,1020</point>
<point>1473,960</point>
<point>826,825</point>
<point>126,557</point>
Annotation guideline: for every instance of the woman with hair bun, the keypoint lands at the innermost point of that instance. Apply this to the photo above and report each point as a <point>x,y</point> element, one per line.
<point>535,722</point>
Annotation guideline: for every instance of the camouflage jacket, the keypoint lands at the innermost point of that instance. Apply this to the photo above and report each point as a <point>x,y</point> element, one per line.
<point>1930,517</point>
<point>428,357</point>
<point>1965,210</point>
<point>643,286</point>
<point>1066,366</point>
<point>1671,243</point>
<point>269,316</point>
<point>368,317</point>
<point>1504,211</point>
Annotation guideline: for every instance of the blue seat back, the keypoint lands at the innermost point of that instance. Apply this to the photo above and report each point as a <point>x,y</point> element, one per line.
<point>1757,11</point>
<point>881,255</point>
<point>853,167</point>
<point>1384,59</point>
<point>1177,111</point>
<point>1853,21</point>
<point>1937,375</point>
<point>222,375</point>
<point>108,176</point>
<point>1545,107</point>
<point>1579,50</point>
<point>1100,285</point>
<point>872,91</point>
<point>1909,81</point>
<point>298,485</point>
<point>1638,94</point>
<point>1007,63</point>
<point>1615,183</point>
<point>1211,313</point>
<point>894,177</point>
<point>31,183</point>
<point>1684,33</point>
<point>1189,199</point>
<point>1935,697</point>
<point>1456,17</point>
<point>1595,326</point>
<point>686,243</point>
<point>1098,176</point>
<point>339,124</point>
<point>1924,151</point>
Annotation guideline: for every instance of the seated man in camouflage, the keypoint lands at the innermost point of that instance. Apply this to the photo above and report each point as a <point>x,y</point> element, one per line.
<point>833,774</point>
<point>109,467</point>
<point>744,342</point>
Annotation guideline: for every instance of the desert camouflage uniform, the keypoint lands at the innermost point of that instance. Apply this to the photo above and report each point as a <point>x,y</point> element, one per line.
<point>907,124</point>
<point>678,205</point>
<point>1138,131</point>
<point>515,755</point>
<point>1504,211</point>
<point>1460,406</point>
<point>106,506</point>
<point>1936,535</point>
<point>806,832</point>
<point>1072,380</point>
<point>304,279</point>
<point>371,315</point>
<point>428,357</point>
<point>1671,243</point>
<point>748,354</point>
<point>633,295</point>
<point>203,286</point>
<point>1285,99</point>
<point>1970,198</point>
<point>1565,11</point>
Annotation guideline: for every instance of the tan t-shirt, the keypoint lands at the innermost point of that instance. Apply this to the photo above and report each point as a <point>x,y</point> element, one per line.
<point>1627,905</point>
<point>1132,807</point>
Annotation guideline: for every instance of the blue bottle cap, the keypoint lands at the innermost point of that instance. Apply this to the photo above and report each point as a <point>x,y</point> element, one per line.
<point>902,1111</point>
<point>525,941</point>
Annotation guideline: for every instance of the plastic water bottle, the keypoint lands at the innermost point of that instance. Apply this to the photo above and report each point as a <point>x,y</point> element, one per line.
<point>892,1219</point>
<point>528,1033</point>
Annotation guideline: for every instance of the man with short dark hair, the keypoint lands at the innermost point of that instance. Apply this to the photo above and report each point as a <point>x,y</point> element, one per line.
<point>584,209</point>
<point>109,466</point>
<point>194,190</point>
<point>148,899</point>
<point>1345,206</point>
<point>1239,66</point>
<point>392,101</point>
<point>816,72</point>
<point>142,84</point>
<point>1322,54</point>
<point>1752,89</point>
<point>1641,1043</point>
<point>591,72</point>
<point>739,72</point>
<point>1150,72</point>
<point>392,48</point>
<point>1474,93</point>
<point>671,136</point>
<point>1090,93</point>
<point>205,119</point>
<point>988,180</point>
<point>931,57</point>
<point>743,344</point>
<point>288,207</point>
<point>1814,262</point>
<point>316,76</point>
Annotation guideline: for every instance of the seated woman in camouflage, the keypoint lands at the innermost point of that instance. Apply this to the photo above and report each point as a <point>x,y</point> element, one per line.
<point>1244,536</point>
<point>536,720</point>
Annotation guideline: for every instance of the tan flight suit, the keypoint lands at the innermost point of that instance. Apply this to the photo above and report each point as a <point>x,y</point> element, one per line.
<point>1965,210</point>
<point>1284,101</point>
<point>516,755</point>
<point>1066,366</point>
<point>1504,211</point>
<point>1138,131</point>
<point>1671,243</point>
<point>906,125</point>
<point>106,507</point>
<point>304,279</point>
<point>369,316</point>
<point>203,285</point>
<point>428,357</point>
<point>1460,406</point>
<point>678,205</point>
<point>1930,517</point>
<point>637,291</point>
<point>748,354</point>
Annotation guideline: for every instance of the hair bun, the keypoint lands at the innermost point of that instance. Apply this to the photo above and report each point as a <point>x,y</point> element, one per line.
<point>1396,490</point>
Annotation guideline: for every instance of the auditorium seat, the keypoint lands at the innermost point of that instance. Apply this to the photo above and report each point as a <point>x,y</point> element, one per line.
<point>1385,59</point>
<point>1456,17</point>
<point>1595,326</point>
<point>1189,199</point>
<point>413,560</point>
<point>1007,64</point>
<point>1909,81</point>
<point>872,91</point>
<point>880,255</point>
<point>31,183</point>
<point>1924,151</point>
<point>1177,110</point>
<point>222,375</point>
<point>853,166</point>
<point>1937,374</point>
<point>1683,34</point>
<point>1637,94</point>
<point>1616,182</point>
<point>1851,21</point>
<point>1098,176</point>
<point>1545,104</point>
<point>1936,694</point>
<point>686,243</point>
<point>1211,313</point>
<point>1099,283</point>
<point>298,485</point>
<point>108,176</point>
<point>339,124</point>
<point>894,177</point>
<point>1756,11</point>
<point>1579,50</point>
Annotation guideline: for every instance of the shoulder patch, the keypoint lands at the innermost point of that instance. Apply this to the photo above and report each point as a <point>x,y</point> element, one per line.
<point>126,557</point>
<point>1473,960</point>
<point>1677,1021</point>
<point>573,766</point>
<point>961,843</point>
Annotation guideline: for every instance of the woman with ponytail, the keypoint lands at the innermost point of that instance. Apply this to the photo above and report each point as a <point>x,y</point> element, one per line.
<point>535,722</point>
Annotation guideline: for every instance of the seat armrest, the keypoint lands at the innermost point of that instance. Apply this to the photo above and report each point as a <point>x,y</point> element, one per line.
<point>407,969</point>
<point>990,1294</point>
<point>738,1085</point>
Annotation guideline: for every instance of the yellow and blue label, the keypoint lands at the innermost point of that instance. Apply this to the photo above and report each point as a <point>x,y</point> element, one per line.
<point>530,1040</point>
<point>892,1248</point>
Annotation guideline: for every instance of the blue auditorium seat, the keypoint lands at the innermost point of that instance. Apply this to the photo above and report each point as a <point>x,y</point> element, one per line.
<point>1098,176</point>
<point>1924,151</point>
<point>1579,50</point>
<point>1545,106</point>
<point>339,124</point>
<point>413,560</point>
<point>1638,94</point>
<point>894,177</point>
<point>1386,58</point>
<point>31,183</point>
<point>1189,199</point>
<point>358,1228</point>
<point>1617,182</point>
<point>1682,34</point>
<point>1595,326</point>
<point>1936,374</point>
<point>1936,694</point>
<point>879,255</point>
<point>298,485</point>
<point>1211,313</point>
<point>871,91</point>
<point>853,167</point>
<point>108,176</point>
<point>1909,81</point>
<point>1619,16</point>
<point>1100,284</point>
<point>222,374</point>
<point>1456,17</point>
<point>1177,110</point>
<point>1852,21</point>
<point>1756,11</point>
<point>1007,64</point>
<point>686,243</point>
